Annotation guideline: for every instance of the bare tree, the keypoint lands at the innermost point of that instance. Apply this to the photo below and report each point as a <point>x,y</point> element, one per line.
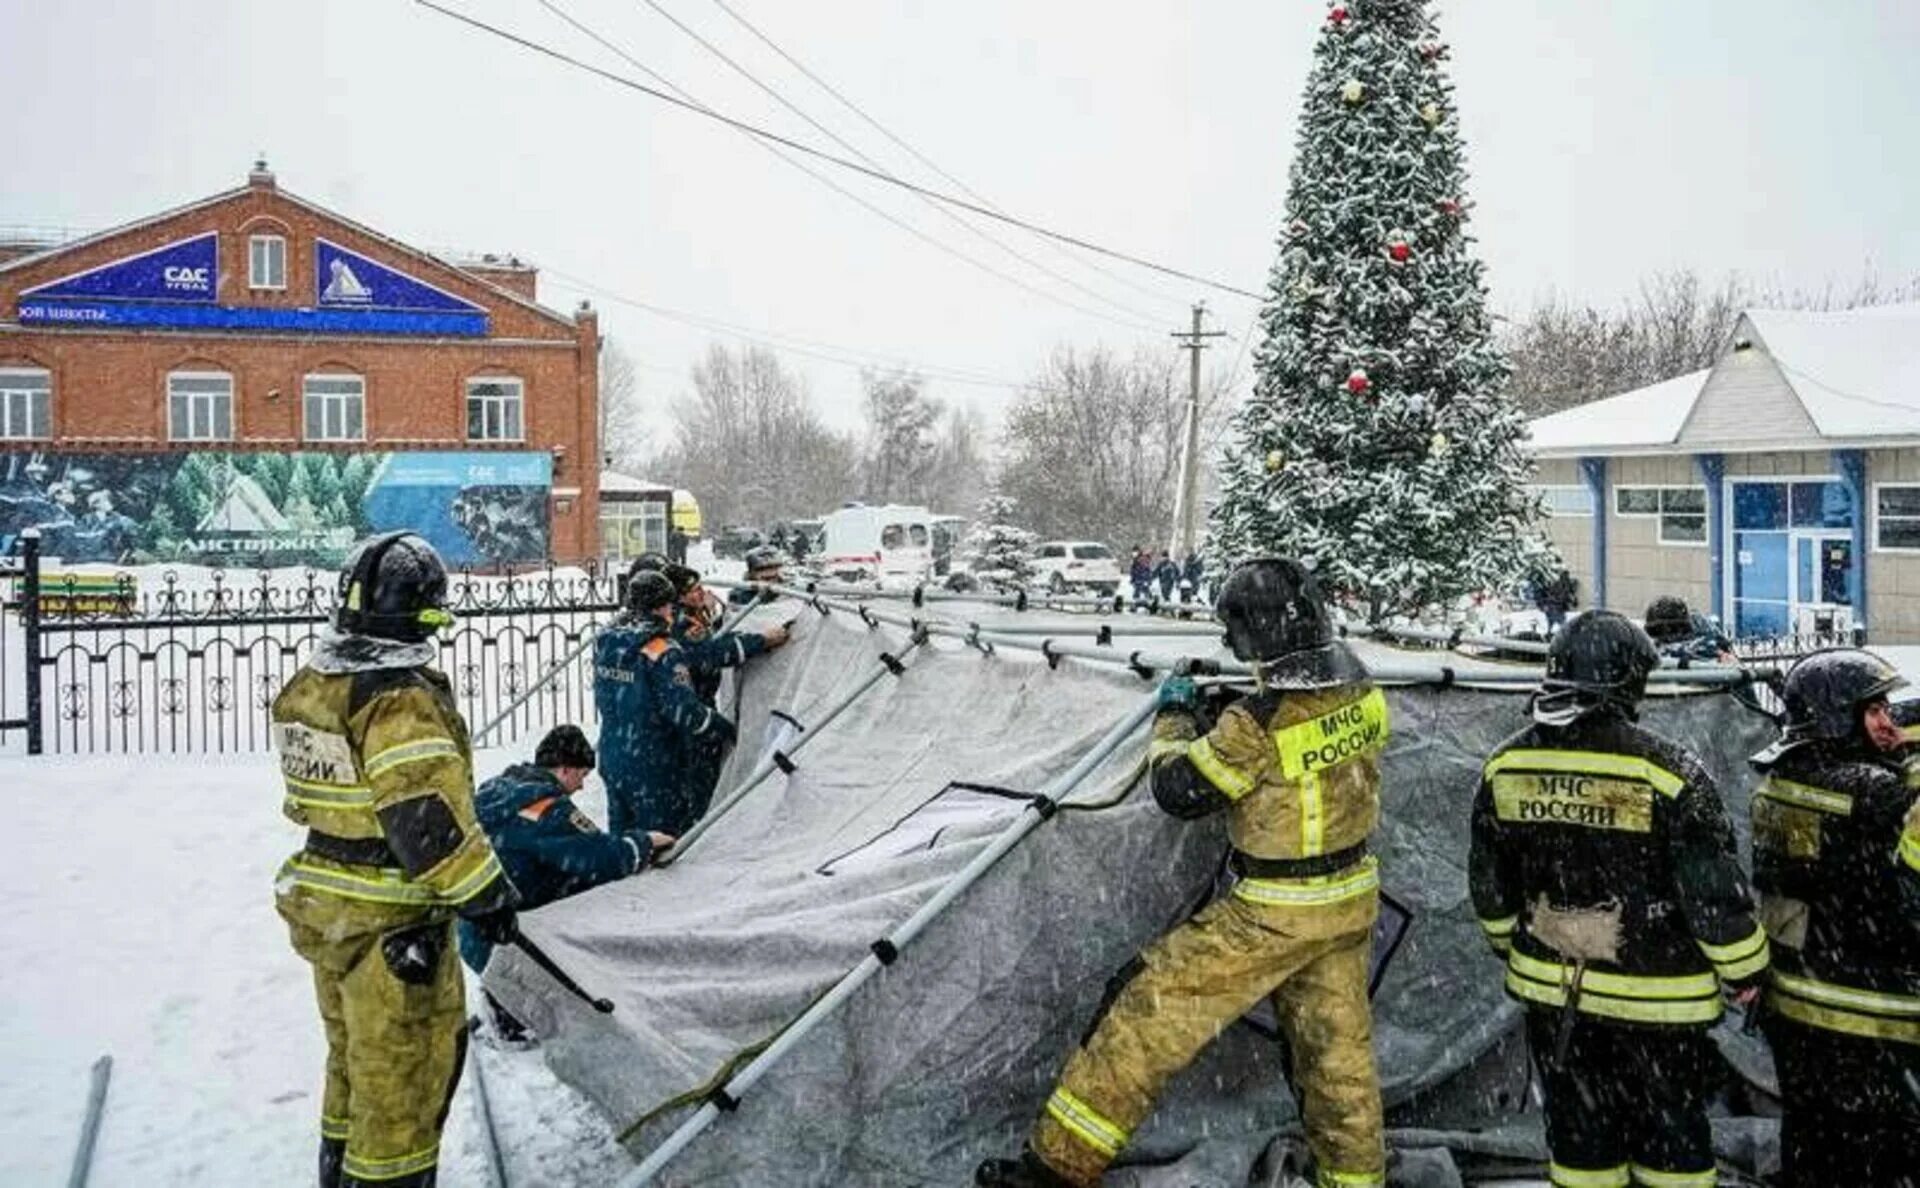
<point>750,445</point>
<point>1565,354</point>
<point>901,447</point>
<point>1092,445</point>
<point>959,479</point>
<point>623,428</point>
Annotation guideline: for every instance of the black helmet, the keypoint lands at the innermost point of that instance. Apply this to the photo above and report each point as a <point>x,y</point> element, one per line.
<point>1276,617</point>
<point>1597,659</point>
<point>393,586</point>
<point>1825,693</point>
<point>764,558</point>
<point>1668,619</point>
<point>564,746</point>
<point>648,591</point>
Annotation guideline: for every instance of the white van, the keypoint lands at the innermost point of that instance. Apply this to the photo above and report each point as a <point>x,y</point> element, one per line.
<point>891,545</point>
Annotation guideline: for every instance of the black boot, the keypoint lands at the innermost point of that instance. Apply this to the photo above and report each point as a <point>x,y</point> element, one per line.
<point>332,1153</point>
<point>1028,1171</point>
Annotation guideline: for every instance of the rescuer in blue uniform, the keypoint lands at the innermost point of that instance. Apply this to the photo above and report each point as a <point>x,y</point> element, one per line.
<point>651,718</point>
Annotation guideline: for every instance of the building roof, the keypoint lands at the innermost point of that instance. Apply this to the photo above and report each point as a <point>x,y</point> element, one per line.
<point>613,482</point>
<point>1786,380</point>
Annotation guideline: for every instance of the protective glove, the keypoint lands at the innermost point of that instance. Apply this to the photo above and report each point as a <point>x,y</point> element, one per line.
<point>496,927</point>
<point>1178,693</point>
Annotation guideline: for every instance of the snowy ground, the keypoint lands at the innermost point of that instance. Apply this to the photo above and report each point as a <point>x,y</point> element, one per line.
<point>140,923</point>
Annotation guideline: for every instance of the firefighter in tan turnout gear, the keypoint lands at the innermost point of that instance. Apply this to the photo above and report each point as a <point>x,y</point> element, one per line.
<point>1603,868</point>
<point>1296,767</point>
<point>378,768</point>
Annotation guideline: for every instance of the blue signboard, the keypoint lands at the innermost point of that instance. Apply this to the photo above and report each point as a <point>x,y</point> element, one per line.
<point>472,507</point>
<point>175,287</point>
<point>185,270</point>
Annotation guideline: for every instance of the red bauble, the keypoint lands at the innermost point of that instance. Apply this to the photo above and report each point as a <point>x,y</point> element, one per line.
<point>1400,252</point>
<point>1449,207</point>
<point>1337,15</point>
<point>1358,383</point>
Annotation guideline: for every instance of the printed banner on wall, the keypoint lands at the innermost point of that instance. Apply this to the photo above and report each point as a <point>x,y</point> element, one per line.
<point>246,509</point>
<point>185,270</point>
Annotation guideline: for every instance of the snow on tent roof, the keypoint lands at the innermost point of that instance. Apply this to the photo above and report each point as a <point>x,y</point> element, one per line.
<point>1650,416</point>
<point>1856,371</point>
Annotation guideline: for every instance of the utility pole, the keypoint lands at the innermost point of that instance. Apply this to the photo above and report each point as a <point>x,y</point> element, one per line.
<point>1185,536</point>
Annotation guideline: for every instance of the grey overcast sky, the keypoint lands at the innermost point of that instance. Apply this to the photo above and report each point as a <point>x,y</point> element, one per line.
<point>1607,141</point>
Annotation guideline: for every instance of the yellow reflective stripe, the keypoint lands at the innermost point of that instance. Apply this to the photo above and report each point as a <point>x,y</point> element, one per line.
<point>1503,926</point>
<point>1630,767</point>
<point>1847,997</point>
<point>1874,1027</point>
<point>1163,748</point>
<point>1346,732</point>
<point>1666,1179</point>
<point>1313,816</point>
<point>474,882</point>
<point>1231,781</point>
<point>1574,1177</point>
<point>1910,850</point>
<point>360,1167</point>
<point>1563,1176</point>
<point>1821,800</point>
<point>1329,1178</point>
<point>1741,959</point>
<point>386,885</point>
<point>412,752</point>
<point>1085,1123</point>
<point>1627,1010</point>
<point>1311,892</point>
<point>333,1128</point>
<point>1700,985</point>
<point>328,795</point>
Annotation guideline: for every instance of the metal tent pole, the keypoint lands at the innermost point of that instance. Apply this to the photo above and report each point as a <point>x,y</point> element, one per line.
<point>887,951</point>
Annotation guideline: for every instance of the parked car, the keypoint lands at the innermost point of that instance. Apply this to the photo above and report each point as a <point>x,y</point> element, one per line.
<point>1076,565</point>
<point>890,545</point>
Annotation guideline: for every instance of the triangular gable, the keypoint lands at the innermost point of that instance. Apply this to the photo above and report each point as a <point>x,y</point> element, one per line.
<point>348,280</point>
<point>184,270</point>
<point>1747,400</point>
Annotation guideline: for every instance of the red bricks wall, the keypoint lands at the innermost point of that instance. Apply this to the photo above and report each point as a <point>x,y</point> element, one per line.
<point>109,386</point>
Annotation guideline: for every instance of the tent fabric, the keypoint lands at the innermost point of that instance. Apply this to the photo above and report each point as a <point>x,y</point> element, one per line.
<point>943,1058</point>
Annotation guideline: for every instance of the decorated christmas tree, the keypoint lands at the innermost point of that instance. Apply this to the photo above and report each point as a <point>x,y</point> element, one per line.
<point>997,552</point>
<point>1378,445</point>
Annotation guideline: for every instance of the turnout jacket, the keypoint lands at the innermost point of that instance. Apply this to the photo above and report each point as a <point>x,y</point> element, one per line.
<point>1600,842</point>
<point>1298,772</point>
<point>549,848</point>
<point>1836,857</point>
<point>378,766</point>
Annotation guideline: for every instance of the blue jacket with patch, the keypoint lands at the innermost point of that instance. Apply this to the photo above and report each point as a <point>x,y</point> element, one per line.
<point>547,846</point>
<point>652,720</point>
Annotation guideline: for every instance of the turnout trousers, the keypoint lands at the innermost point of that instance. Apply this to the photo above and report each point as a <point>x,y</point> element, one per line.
<point>1198,980</point>
<point>1850,1107</point>
<point>395,1046</point>
<point>1628,1105</point>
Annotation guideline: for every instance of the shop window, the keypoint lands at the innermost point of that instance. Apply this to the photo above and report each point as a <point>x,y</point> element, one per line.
<point>267,262</point>
<point>26,403</point>
<point>1821,505</point>
<point>200,406</point>
<point>1566,501</point>
<point>1682,511</point>
<point>1897,517</point>
<point>335,407</point>
<point>494,409</point>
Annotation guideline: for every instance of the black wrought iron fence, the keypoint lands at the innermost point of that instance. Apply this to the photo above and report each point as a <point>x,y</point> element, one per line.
<point>121,664</point>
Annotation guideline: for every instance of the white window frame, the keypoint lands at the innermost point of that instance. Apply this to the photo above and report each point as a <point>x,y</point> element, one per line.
<point>254,245</point>
<point>517,401</point>
<point>1546,490</point>
<point>1874,521</point>
<point>13,390</point>
<point>174,429</point>
<point>1663,513</point>
<point>336,403</point>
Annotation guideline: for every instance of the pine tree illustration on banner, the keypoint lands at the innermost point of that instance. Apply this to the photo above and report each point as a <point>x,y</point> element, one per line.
<point>1379,445</point>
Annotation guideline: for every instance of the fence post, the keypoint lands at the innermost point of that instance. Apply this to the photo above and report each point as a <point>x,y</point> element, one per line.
<point>30,632</point>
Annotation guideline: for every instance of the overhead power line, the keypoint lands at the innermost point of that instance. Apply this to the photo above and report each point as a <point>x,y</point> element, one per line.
<point>769,90</point>
<point>919,156</point>
<point>831,158</point>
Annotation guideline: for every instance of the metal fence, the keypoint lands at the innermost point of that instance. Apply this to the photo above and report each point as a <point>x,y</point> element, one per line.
<point>90,665</point>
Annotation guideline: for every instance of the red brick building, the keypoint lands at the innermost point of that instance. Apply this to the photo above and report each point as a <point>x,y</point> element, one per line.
<point>254,323</point>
